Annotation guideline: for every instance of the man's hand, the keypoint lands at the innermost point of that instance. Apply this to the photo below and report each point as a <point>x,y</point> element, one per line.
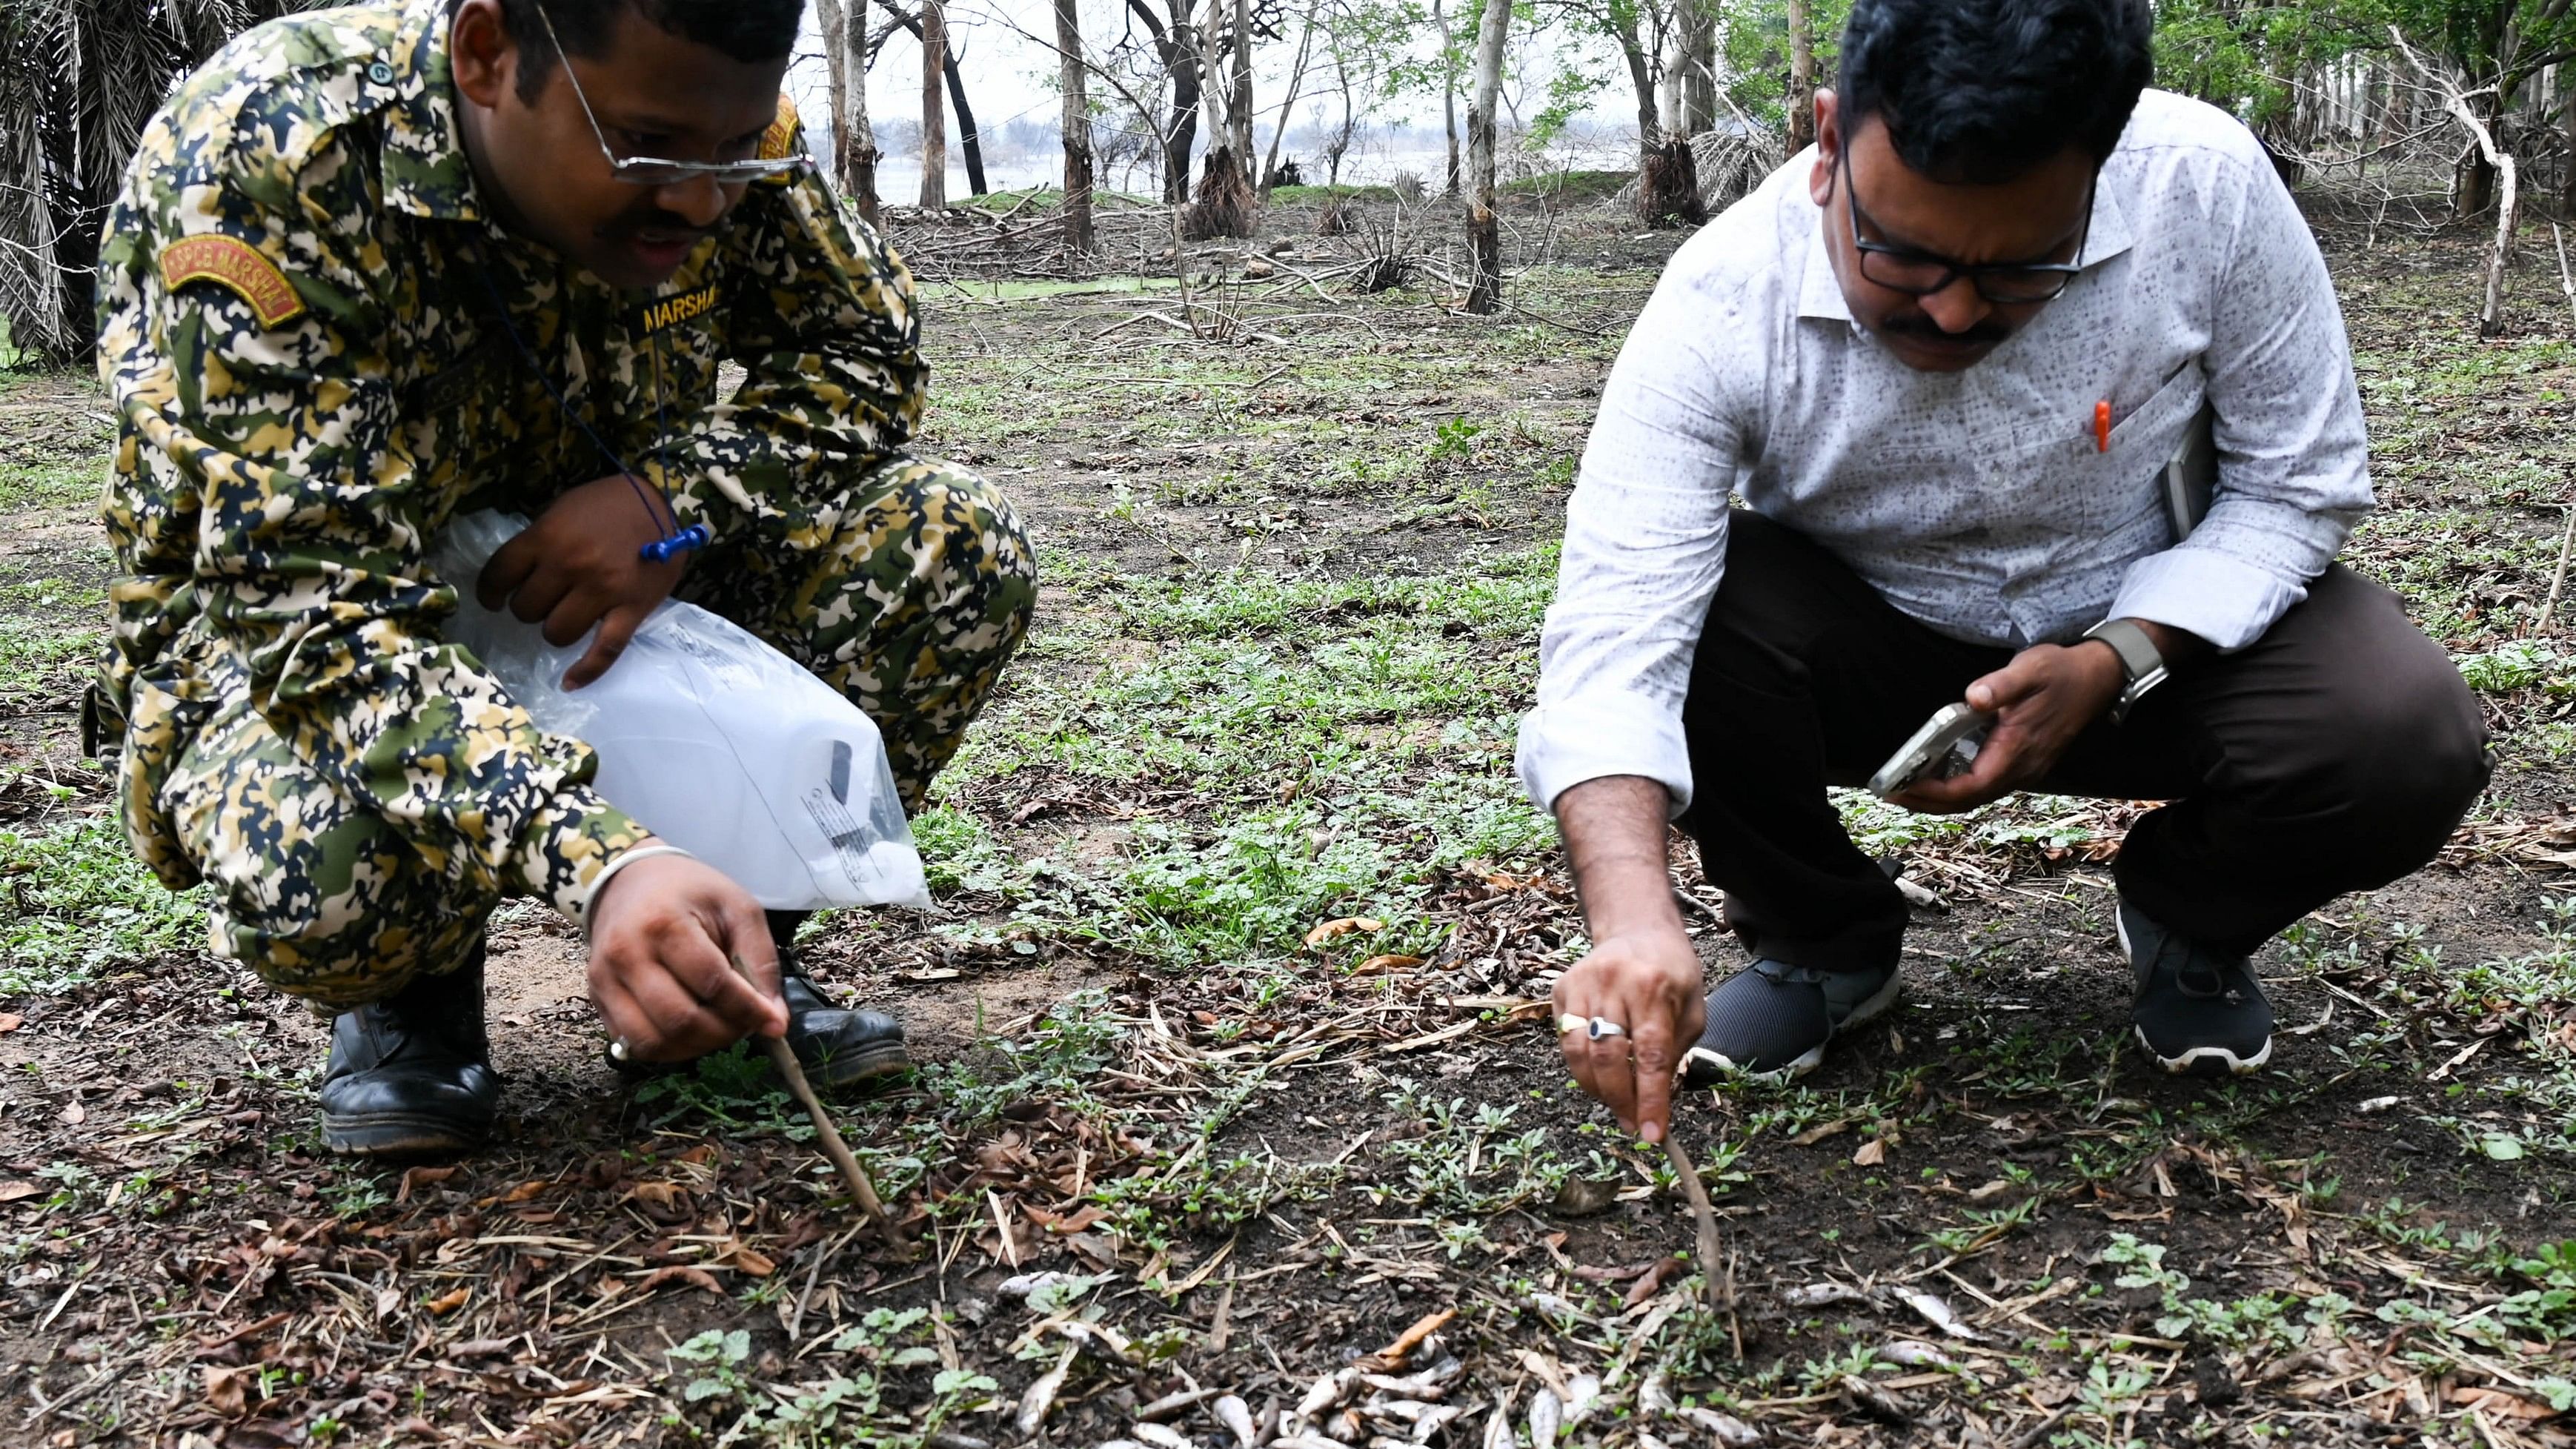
<point>660,935</point>
<point>580,564</point>
<point>2041,701</point>
<point>1642,972</point>
<point>1651,984</point>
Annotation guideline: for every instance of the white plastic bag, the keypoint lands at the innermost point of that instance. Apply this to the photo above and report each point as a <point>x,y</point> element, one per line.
<point>712,740</point>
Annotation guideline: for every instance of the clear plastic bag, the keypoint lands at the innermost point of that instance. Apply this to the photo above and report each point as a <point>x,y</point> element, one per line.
<point>713,740</point>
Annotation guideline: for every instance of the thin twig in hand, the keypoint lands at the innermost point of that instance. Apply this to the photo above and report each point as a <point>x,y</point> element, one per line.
<point>783,1058</point>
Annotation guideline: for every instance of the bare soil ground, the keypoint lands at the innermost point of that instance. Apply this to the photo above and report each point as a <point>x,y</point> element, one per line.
<point>1173,1144</point>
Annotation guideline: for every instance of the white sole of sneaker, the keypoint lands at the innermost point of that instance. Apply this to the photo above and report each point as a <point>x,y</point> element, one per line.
<point>1878,1002</point>
<point>2190,1062</point>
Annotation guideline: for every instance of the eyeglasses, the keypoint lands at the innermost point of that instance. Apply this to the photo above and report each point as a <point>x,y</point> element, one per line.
<point>1920,273</point>
<point>651,171</point>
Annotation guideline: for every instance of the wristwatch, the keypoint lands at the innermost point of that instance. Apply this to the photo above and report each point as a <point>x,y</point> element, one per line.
<point>2140,660</point>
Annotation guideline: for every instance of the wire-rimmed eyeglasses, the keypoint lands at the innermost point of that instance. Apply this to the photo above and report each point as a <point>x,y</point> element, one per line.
<point>650,170</point>
<point>1920,274</point>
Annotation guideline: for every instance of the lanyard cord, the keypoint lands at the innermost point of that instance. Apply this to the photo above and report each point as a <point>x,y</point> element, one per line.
<point>675,540</point>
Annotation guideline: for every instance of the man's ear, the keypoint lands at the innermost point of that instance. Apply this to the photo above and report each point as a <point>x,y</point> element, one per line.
<point>481,53</point>
<point>1829,146</point>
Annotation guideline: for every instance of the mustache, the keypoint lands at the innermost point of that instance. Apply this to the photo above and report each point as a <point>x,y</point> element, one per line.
<point>667,222</point>
<point>1921,325</point>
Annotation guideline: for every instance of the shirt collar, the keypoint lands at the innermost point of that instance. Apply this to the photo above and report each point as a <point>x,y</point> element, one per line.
<point>426,170</point>
<point>1821,295</point>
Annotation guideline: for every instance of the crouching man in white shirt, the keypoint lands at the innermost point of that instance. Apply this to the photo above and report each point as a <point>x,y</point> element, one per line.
<point>1944,359</point>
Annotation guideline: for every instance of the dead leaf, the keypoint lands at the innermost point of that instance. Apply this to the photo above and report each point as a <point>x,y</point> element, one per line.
<point>1394,1354</point>
<point>10,1021</point>
<point>665,1195</point>
<point>1871,1154</point>
<point>225,1391</point>
<point>418,1177</point>
<point>1335,929</point>
<point>446,1303</point>
<point>524,1191</point>
<point>681,1272</point>
<point>1065,1224</point>
<point>73,1114</point>
<point>738,1254</point>
<point>17,1191</point>
<point>2497,1401</point>
<point>1814,1135</point>
<point>1376,964</point>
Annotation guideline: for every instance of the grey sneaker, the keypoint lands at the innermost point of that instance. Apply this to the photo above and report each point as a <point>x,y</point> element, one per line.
<point>1773,1019</point>
<point>2200,1013</point>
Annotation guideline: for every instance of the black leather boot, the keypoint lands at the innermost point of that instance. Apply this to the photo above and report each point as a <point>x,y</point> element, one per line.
<point>835,1045</point>
<point>412,1074</point>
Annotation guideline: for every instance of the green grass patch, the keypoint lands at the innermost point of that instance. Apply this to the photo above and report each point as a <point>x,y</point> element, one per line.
<point>1318,195</point>
<point>1562,187</point>
<point>85,905</point>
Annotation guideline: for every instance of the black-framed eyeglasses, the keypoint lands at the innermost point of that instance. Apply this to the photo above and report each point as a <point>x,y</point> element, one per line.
<point>1920,273</point>
<point>653,171</point>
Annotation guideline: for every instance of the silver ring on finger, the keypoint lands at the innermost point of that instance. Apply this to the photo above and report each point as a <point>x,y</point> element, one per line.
<point>619,1051</point>
<point>1601,1026</point>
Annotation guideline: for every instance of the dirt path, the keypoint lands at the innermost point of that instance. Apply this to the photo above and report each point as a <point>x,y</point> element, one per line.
<point>1164,1146</point>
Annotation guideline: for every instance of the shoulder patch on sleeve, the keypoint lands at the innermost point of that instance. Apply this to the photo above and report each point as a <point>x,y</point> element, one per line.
<point>779,141</point>
<point>237,265</point>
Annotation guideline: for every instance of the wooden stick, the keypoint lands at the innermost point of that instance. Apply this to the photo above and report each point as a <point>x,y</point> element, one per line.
<point>2558,580</point>
<point>1713,1269</point>
<point>782,1057</point>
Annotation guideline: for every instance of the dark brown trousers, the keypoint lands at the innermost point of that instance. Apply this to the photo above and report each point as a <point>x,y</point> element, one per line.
<point>2334,754</point>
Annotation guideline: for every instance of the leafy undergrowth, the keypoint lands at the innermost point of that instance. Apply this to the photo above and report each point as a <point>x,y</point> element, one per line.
<point>1235,1070</point>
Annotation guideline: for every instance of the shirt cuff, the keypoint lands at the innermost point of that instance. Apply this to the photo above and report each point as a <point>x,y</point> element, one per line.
<point>2225,600</point>
<point>567,844</point>
<point>1604,733</point>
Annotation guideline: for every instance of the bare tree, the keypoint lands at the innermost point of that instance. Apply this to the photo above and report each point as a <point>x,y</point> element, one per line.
<point>970,139</point>
<point>1484,230</point>
<point>854,141</point>
<point>934,109</point>
<point>1077,128</point>
<point>2463,107</point>
<point>1296,81</point>
<point>1175,46</point>
<point>1224,203</point>
<point>1643,31</point>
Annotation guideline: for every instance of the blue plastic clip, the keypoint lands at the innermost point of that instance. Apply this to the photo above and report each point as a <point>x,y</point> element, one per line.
<point>662,550</point>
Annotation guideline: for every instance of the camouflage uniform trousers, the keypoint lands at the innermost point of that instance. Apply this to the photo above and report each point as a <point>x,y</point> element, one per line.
<point>909,597</point>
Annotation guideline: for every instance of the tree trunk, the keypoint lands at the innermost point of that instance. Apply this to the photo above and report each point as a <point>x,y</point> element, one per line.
<point>1077,129</point>
<point>1279,133</point>
<point>1484,231</point>
<point>1172,45</point>
<point>1801,100</point>
<point>1223,206</point>
<point>854,140</point>
<point>1238,104</point>
<point>1448,93</point>
<point>2567,181</point>
<point>1699,65</point>
<point>1668,185</point>
<point>970,137</point>
<point>934,110</point>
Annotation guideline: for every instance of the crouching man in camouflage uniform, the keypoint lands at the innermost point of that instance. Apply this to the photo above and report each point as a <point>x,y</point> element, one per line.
<point>378,266</point>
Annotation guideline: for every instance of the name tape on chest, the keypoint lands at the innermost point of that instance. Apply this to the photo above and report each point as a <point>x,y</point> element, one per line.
<point>667,312</point>
<point>237,266</point>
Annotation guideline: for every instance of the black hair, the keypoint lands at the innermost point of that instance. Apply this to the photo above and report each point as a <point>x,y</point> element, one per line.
<point>743,29</point>
<point>1981,91</point>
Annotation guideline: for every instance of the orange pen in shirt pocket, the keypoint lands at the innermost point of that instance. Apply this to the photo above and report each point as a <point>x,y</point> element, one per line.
<point>2102,426</point>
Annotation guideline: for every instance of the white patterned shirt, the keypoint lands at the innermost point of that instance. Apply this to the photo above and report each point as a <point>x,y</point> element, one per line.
<point>1979,502</point>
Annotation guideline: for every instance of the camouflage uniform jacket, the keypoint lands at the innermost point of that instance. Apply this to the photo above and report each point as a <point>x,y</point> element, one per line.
<point>312,376</point>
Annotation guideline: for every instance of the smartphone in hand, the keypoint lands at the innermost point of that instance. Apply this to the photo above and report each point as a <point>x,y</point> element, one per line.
<point>1946,746</point>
